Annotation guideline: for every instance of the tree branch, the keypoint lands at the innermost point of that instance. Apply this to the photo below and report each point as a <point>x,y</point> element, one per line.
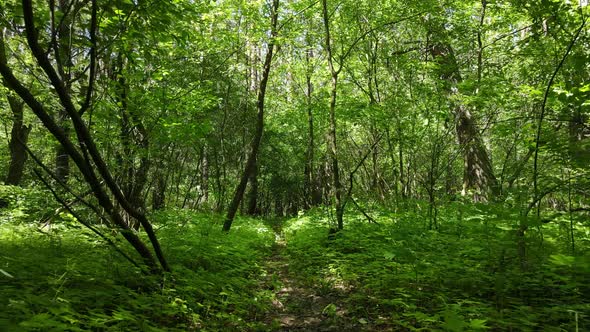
<point>92,74</point>
<point>360,163</point>
<point>542,113</point>
<point>364,34</point>
<point>83,222</point>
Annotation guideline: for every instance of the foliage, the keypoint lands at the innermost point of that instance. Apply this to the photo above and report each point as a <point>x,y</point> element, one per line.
<point>464,277</point>
<point>21,205</point>
<point>397,274</point>
<point>435,103</point>
<point>63,279</point>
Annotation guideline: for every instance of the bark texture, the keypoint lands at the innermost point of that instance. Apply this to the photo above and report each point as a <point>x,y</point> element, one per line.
<point>19,135</point>
<point>478,175</point>
<point>19,132</point>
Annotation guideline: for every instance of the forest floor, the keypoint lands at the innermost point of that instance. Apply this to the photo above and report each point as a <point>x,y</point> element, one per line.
<point>298,306</point>
<point>296,275</point>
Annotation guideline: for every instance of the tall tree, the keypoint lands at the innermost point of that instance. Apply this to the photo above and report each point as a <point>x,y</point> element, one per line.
<point>250,167</point>
<point>332,144</point>
<point>63,28</point>
<point>313,195</point>
<point>478,173</point>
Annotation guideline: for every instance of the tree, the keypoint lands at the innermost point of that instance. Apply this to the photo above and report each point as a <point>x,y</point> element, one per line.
<point>250,167</point>
<point>19,133</point>
<point>85,154</point>
<point>478,171</point>
<point>332,146</point>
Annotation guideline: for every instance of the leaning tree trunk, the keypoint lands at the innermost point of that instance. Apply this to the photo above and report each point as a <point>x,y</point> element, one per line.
<point>478,172</point>
<point>251,162</point>
<point>85,154</point>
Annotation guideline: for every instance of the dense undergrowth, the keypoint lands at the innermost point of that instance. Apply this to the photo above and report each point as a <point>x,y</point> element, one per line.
<point>465,276</point>
<point>396,275</point>
<point>63,279</point>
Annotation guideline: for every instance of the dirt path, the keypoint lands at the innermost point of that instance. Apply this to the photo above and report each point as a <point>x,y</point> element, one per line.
<point>297,307</point>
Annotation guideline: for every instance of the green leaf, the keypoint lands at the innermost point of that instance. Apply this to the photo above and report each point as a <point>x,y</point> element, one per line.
<point>389,255</point>
<point>562,260</point>
<point>6,273</point>
<point>453,321</point>
<point>478,324</point>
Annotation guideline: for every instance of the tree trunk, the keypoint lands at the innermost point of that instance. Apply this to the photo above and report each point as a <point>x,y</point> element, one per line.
<point>62,161</point>
<point>220,182</point>
<point>400,157</point>
<point>394,171</point>
<point>313,194</point>
<point>19,132</point>
<point>205,177</point>
<point>377,182</point>
<point>333,151</point>
<point>308,172</point>
<point>332,146</point>
<point>253,194</point>
<point>159,192</point>
<point>578,132</point>
<point>85,153</point>
<point>478,172</point>
<point>18,140</point>
<point>63,56</point>
<point>135,141</point>
<point>251,162</point>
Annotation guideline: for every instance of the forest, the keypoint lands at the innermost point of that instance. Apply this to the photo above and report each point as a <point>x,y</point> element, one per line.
<point>294,165</point>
